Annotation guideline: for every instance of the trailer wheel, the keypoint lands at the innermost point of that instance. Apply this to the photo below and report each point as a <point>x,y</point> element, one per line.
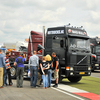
<point>74,79</point>
<point>13,72</point>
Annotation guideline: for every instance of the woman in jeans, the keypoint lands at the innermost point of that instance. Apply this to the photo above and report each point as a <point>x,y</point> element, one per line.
<point>48,59</point>
<point>44,68</point>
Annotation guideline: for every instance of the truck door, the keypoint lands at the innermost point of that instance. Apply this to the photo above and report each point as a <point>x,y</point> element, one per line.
<point>58,46</point>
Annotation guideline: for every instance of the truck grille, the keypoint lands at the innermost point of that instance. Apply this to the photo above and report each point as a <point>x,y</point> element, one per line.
<point>79,59</point>
<point>80,68</point>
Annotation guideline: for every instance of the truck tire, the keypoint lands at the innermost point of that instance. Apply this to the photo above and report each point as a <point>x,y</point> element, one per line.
<point>13,72</point>
<point>92,70</point>
<point>52,76</point>
<point>60,77</point>
<point>74,79</point>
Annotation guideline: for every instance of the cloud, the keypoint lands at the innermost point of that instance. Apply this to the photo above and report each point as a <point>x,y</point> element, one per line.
<point>18,18</point>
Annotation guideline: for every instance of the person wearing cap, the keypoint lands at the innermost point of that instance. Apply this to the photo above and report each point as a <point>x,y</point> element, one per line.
<point>19,61</point>
<point>2,64</point>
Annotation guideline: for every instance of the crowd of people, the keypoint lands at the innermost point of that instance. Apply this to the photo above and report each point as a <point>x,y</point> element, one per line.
<point>40,70</point>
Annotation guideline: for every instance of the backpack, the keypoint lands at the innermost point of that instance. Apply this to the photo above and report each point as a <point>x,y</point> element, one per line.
<point>20,60</point>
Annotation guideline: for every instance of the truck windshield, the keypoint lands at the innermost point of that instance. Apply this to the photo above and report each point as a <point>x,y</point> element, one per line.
<point>79,43</point>
<point>97,49</point>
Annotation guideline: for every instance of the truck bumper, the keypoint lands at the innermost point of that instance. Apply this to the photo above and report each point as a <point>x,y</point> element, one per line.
<point>78,73</point>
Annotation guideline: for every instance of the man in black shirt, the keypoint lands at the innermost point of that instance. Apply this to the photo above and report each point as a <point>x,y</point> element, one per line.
<point>56,68</point>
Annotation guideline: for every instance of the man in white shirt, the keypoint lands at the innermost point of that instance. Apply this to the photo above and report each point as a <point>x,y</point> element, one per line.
<point>33,66</point>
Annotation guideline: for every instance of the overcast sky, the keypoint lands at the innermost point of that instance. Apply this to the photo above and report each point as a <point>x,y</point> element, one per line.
<point>19,17</point>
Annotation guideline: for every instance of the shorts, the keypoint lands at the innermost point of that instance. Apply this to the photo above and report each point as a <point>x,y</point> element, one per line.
<point>56,74</point>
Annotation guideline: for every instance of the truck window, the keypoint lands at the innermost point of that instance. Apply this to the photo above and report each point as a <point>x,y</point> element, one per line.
<point>61,43</point>
<point>58,42</point>
<point>97,49</point>
<point>79,43</point>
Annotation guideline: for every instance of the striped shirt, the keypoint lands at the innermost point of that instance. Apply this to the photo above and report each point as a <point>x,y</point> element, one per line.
<point>7,61</point>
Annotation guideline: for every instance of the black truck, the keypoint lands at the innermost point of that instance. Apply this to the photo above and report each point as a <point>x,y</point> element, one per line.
<point>72,46</point>
<point>95,50</point>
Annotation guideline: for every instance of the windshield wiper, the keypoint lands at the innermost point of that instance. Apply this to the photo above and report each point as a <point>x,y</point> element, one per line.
<point>85,50</point>
<point>74,50</point>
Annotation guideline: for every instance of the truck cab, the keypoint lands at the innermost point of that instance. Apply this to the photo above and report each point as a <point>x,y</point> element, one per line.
<point>72,47</point>
<point>35,38</point>
<point>95,50</point>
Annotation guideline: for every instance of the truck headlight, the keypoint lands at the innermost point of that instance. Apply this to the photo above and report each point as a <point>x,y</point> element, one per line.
<point>89,68</point>
<point>96,64</point>
<point>71,68</point>
<point>71,73</point>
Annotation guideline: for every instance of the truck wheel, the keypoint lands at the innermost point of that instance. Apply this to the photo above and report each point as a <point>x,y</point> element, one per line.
<point>75,79</point>
<point>60,77</point>
<point>13,72</point>
<point>92,70</point>
<point>52,76</point>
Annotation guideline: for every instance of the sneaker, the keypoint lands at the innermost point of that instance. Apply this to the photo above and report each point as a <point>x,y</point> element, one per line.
<point>53,86</point>
<point>32,86</point>
<point>10,84</point>
<point>37,85</point>
<point>1,87</point>
<point>49,86</point>
<point>56,86</point>
<point>21,86</point>
<point>5,85</point>
<point>43,88</point>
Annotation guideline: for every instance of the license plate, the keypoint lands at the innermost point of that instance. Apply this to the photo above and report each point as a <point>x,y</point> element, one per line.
<point>82,72</point>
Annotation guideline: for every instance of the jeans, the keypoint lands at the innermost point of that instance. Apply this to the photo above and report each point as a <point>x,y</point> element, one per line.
<point>49,77</point>
<point>4,75</point>
<point>9,76</point>
<point>34,70</point>
<point>20,71</point>
<point>45,80</point>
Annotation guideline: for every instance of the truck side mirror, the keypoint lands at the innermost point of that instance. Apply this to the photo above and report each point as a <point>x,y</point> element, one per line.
<point>39,47</point>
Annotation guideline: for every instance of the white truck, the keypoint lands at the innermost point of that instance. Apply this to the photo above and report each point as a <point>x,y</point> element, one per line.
<point>21,46</point>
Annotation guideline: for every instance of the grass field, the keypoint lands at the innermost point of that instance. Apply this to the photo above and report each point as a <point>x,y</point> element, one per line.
<point>87,83</point>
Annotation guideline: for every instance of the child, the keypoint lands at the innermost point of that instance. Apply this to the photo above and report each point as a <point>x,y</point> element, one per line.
<point>44,68</point>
